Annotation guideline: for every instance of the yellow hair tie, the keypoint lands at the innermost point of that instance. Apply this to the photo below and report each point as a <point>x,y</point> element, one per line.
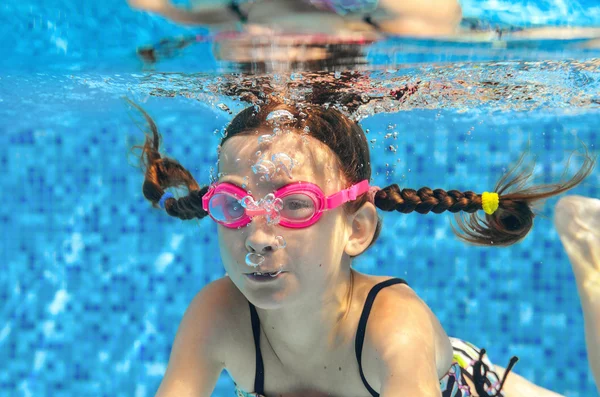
<point>489,202</point>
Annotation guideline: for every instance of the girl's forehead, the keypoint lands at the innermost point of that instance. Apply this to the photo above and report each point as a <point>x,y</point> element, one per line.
<point>312,160</point>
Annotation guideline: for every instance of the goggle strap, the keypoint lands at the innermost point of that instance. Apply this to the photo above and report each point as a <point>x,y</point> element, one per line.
<point>335,200</point>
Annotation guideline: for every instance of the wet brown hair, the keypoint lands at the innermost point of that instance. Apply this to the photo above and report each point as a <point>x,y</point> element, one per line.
<point>510,223</point>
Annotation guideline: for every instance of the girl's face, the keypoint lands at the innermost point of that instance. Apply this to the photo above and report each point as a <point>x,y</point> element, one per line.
<point>312,256</point>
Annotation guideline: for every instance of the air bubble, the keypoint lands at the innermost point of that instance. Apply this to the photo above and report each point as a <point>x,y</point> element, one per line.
<point>223,107</point>
<point>280,242</point>
<point>265,139</point>
<point>264,167</point>
<point>254,259</point>
<point>247,201</point>
<point>281,116</point>
<point>273,218</point>
<point>283,162</point>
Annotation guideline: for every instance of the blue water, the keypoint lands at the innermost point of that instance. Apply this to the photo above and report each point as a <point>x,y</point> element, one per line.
<point>94,282</point>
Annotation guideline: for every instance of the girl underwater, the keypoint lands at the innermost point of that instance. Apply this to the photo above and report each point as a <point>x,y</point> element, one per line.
<point>292,317</point>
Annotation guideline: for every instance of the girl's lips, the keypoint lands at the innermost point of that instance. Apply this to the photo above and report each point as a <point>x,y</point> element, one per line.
<point>265,272</point>
<point>265,278</point>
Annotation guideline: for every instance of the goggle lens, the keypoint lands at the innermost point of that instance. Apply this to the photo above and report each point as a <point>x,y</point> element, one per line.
<point>225,208</point>
<point>298,207</point>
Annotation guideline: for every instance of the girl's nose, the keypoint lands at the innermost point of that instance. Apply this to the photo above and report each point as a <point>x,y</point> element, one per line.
<point>260,238</point>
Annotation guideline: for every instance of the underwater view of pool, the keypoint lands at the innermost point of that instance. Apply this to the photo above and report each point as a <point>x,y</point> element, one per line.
<point>94,281</point>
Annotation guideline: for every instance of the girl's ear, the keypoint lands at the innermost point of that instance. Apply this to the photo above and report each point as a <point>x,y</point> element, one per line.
<point>364,223</point>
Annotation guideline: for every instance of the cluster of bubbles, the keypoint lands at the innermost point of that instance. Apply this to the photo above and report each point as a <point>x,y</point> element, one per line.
<point>270,205</point>
<point>280,117</point>
<point>268,168</point>
<point>279,161</point>
<point>254,259</point>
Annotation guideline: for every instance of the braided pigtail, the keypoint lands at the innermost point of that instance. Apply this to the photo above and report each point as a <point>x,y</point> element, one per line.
<point>508,221</point>
<point>162,173</point>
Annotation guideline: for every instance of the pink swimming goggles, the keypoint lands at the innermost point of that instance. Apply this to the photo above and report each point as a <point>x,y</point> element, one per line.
<point>297,205</point>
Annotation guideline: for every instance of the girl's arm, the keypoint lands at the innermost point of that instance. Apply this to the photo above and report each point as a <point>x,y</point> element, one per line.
<point>409,369</point>
<point>215,14</point>
<point>197,354</point>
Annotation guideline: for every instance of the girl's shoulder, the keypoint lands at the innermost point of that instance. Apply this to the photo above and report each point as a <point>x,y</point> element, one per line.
<point>214,308</point>
<point>395,308</point>
<point>227,313</point>
<point>226,301</point>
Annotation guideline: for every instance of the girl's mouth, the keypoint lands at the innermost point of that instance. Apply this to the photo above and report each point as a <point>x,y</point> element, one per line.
<point>265,276</point>
<point>272,274</point>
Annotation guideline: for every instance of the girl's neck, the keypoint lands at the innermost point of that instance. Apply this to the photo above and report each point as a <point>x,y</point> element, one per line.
<point>315,324</point>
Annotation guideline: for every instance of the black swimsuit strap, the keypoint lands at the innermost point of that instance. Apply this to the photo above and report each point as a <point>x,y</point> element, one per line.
<point>235,7</point>
<point>368,19</point>
<point>362,326</point>
<point>259,377</point>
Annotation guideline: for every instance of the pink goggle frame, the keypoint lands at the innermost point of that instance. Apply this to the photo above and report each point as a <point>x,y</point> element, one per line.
<point>220,198</point>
